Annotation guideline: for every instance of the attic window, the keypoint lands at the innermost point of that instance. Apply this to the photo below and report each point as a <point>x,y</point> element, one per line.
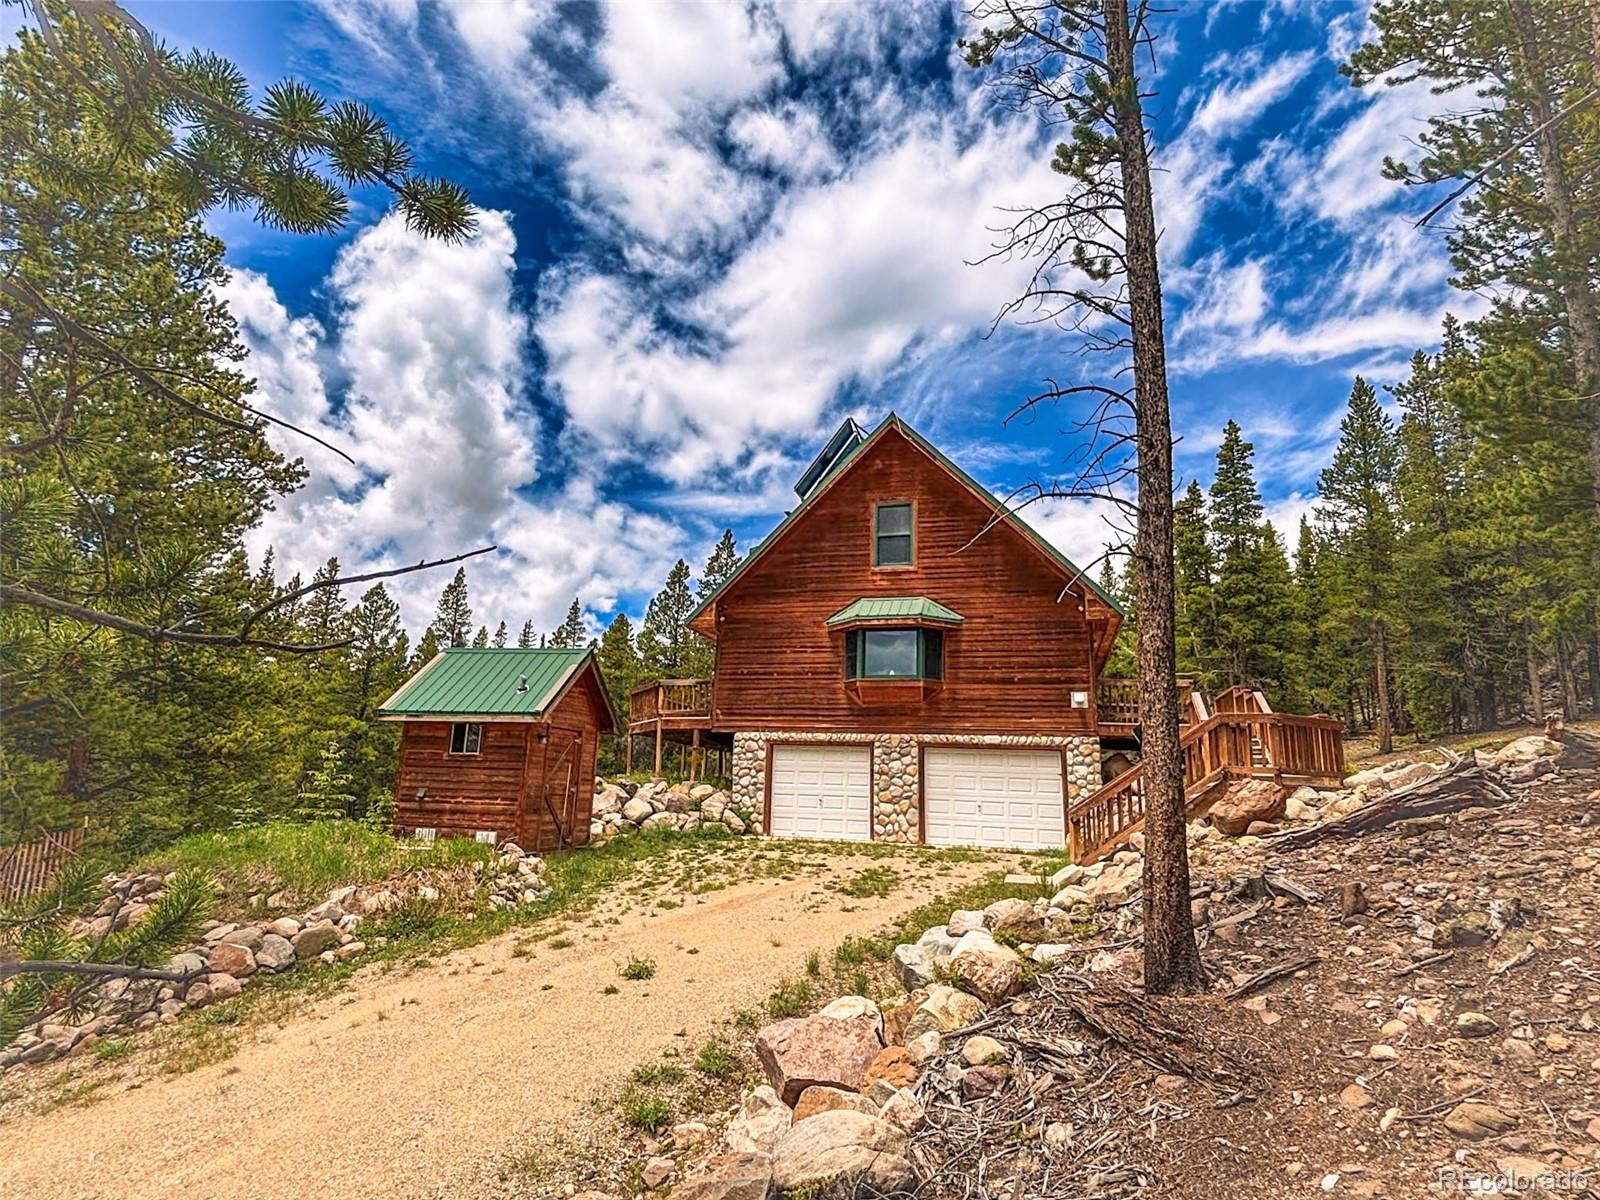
<point>892,535</point>
<point>465,737</point>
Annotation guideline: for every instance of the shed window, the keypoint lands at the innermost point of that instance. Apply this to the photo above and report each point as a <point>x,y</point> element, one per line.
<point>465,737</point>
<point>894,654</point>
<point>892,536</point>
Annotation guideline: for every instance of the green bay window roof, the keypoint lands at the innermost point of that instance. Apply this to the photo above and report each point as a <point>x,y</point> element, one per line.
<point>468,682</point>
<point>915,609</point>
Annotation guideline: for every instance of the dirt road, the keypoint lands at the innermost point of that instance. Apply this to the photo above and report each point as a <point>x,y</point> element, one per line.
<point>412,1084</point>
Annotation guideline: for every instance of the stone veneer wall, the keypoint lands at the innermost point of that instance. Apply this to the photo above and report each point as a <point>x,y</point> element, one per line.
<point>896,764</point>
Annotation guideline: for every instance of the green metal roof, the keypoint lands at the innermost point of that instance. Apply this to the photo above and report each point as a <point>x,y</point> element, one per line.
<point>466,682</point>
<point>895,608</point>
<point>854,451</point>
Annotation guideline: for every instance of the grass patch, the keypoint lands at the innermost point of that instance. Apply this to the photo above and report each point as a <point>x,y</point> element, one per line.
<point>638,968</point>
<point>791,998</point>
<point>715,1060</point>
<point>658,1074</point>
<point>113,1049</point>
<point>854,951</point>
<point>307,859</point>
<point>644,1110</point>
<point>874,881</point>
<point>560,943</point>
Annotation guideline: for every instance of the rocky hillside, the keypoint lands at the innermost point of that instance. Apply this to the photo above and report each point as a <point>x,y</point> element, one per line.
<point>1405,1001</point>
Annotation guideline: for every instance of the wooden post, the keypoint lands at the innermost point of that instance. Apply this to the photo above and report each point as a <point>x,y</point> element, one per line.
<point>627,753</point>
<point>658,747</point>
<point>694,758</point>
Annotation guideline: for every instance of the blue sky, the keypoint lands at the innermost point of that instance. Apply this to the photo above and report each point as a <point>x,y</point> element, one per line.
<point>711,232</point>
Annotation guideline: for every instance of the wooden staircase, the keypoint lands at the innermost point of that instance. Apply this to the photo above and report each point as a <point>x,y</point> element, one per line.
<point>1241,738</point>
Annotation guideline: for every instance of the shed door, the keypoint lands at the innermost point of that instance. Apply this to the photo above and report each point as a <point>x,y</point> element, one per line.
<point>1010,798</point>
<point>821,791</point>
<point>556,795</point>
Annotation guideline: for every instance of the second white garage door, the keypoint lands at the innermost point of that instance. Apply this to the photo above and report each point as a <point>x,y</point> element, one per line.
<point>994,798</point>
<point>822,792</point>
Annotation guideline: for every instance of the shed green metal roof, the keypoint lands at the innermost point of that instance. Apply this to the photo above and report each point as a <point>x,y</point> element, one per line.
<point>895,608</point>
<point>468,682</point>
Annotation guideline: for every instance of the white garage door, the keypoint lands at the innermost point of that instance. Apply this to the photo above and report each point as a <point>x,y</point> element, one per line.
<point>822,792</point>
<point>994,798</point>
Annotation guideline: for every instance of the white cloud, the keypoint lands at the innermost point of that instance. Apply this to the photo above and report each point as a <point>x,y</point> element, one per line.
<point>431,347</point>
<point>790,139</point>
<point>1234,105</point>
<point>845,278</point>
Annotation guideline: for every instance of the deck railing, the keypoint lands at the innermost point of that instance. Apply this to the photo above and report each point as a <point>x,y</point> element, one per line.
<point>1229,745</point>
<point>668,698</point>
<point>1117,701</point>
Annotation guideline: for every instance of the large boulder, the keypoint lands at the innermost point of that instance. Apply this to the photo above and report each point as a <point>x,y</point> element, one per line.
<point>739,1176</point>
<point>760,1123</point>
<point>637,810</point>
<point>313,940</point>
<point>1252,800</point>
<point>609,799</point>
<point>815,1101</point>
<point>275,953</point>
<point>964,921</point>
<point>945,1008</point>
<point>1007,914</point>
<point>913,966</point>
<point>984,967</point>
<point>233,959</point>
<point>1526,749</point>
<point>801,1052</point>
<point>842,1153</point>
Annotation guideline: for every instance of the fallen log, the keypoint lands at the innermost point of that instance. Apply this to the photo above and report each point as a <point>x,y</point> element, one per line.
<point>1461,784</point>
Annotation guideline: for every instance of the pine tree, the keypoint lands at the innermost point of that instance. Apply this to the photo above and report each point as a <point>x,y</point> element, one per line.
<point>664,639</point>
<point>378,666</point>
<point>500,636</point>
<point>569,635</point>
<point>1195,591</point>
<point>620,666</point>
<point>480,640</point>
<point>323,614</point>
<point>724,561</point>
<point>452,623</point>
<point>427,649</point>
<point>525,638</point>
<point>1357,492</point>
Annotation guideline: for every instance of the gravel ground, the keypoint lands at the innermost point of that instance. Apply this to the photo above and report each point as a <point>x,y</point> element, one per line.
<point>416,1084</point>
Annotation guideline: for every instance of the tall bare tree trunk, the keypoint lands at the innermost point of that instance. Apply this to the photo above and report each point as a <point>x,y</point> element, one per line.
<point>1171,958</point>
<point>1582,308</point>
<point>1535,689</point>
<point>1385,724</point>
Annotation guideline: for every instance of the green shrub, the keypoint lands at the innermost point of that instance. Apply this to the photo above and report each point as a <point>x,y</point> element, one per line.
<point>715,1060</point>
<point>647,1111</point>
<point>791,998</point>
<point>639,968</point>
<point>658,1074</point>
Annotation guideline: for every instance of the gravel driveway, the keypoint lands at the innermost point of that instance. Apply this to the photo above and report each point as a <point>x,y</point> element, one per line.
<point>413,1084</point>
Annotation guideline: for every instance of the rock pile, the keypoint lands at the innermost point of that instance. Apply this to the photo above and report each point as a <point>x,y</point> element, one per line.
<point>838,1108</point>
<point>625,806</point>
<point>230,954</point>
<point>514,877</point>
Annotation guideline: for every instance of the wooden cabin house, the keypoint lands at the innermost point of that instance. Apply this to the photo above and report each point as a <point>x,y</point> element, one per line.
<point>500,745</point>
<point>905,659</point>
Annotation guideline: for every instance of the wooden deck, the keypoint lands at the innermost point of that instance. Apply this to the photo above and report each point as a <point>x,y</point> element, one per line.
<point>1116,704</point>
<point>1241,739</point>
<point>677,712</point>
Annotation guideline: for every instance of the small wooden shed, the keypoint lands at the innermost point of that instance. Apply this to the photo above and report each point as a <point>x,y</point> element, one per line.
<point>500,743</point>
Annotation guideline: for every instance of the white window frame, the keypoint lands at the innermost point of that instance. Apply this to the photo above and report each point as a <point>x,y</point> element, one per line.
<point>471,736</point>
